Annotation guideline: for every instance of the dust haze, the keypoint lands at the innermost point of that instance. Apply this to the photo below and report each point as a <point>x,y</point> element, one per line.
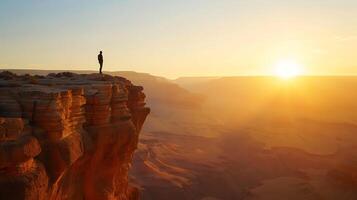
<point>251,138</point>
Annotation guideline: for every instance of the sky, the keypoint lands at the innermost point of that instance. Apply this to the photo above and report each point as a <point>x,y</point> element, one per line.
<point>174,38</point>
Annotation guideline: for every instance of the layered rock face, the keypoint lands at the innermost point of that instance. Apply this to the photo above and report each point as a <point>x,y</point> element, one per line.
<point>68,136</point>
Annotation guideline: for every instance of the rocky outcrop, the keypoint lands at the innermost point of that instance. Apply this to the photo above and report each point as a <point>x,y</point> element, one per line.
<point>68,136</point>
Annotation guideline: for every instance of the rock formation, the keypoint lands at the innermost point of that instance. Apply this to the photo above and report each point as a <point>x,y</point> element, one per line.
<point>68,136</point>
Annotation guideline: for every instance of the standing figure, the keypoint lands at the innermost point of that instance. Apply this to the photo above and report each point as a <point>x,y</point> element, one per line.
<point>100,60</point>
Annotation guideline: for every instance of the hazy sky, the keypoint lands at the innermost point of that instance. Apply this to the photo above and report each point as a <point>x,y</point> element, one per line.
<point>180,37</point>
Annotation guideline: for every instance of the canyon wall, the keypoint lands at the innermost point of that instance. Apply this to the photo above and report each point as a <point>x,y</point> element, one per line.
<point>68,136</point>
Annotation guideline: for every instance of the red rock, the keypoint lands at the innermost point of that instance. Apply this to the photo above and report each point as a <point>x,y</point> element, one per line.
<point>78,143</point>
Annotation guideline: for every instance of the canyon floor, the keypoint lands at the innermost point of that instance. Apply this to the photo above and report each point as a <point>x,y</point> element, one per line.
<point>251,142</point>
<point>240,164</point>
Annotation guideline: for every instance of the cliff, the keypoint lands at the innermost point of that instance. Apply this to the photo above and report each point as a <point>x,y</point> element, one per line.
<point>68,136</point>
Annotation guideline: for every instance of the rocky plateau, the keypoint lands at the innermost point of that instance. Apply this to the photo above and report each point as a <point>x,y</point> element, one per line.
<point>68,136</point>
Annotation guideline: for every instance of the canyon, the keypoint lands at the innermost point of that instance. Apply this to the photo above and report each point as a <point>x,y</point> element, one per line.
<point>68,136</point>
<point>229,138</point>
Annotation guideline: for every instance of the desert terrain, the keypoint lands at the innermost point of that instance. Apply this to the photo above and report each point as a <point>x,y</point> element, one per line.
<point>253,138</point>
<point>249,138</point>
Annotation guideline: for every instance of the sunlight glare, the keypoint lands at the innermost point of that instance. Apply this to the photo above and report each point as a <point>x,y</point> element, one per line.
<point>287,69</point>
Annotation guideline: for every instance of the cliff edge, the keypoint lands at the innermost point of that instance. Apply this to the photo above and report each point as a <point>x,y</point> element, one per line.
<point>68,136</point>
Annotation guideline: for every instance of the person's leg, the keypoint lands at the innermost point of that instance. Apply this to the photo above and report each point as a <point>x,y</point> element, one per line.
<point>100,69</point>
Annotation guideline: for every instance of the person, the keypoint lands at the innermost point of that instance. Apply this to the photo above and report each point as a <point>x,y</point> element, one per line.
<point>100,60</point>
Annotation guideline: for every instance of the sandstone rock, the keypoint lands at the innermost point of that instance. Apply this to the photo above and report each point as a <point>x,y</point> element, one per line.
<point>30,184</point>
<point>68,136</point>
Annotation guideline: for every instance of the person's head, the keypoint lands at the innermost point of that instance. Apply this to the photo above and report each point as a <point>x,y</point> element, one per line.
<point>100,52</point>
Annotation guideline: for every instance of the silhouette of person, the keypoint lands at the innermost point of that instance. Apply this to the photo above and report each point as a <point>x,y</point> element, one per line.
<point>100,60</point>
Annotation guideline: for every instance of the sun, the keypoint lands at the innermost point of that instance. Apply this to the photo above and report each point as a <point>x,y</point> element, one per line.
<point>287,69</point>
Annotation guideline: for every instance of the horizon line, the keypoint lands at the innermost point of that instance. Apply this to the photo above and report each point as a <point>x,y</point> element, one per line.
<point>185,76</point>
